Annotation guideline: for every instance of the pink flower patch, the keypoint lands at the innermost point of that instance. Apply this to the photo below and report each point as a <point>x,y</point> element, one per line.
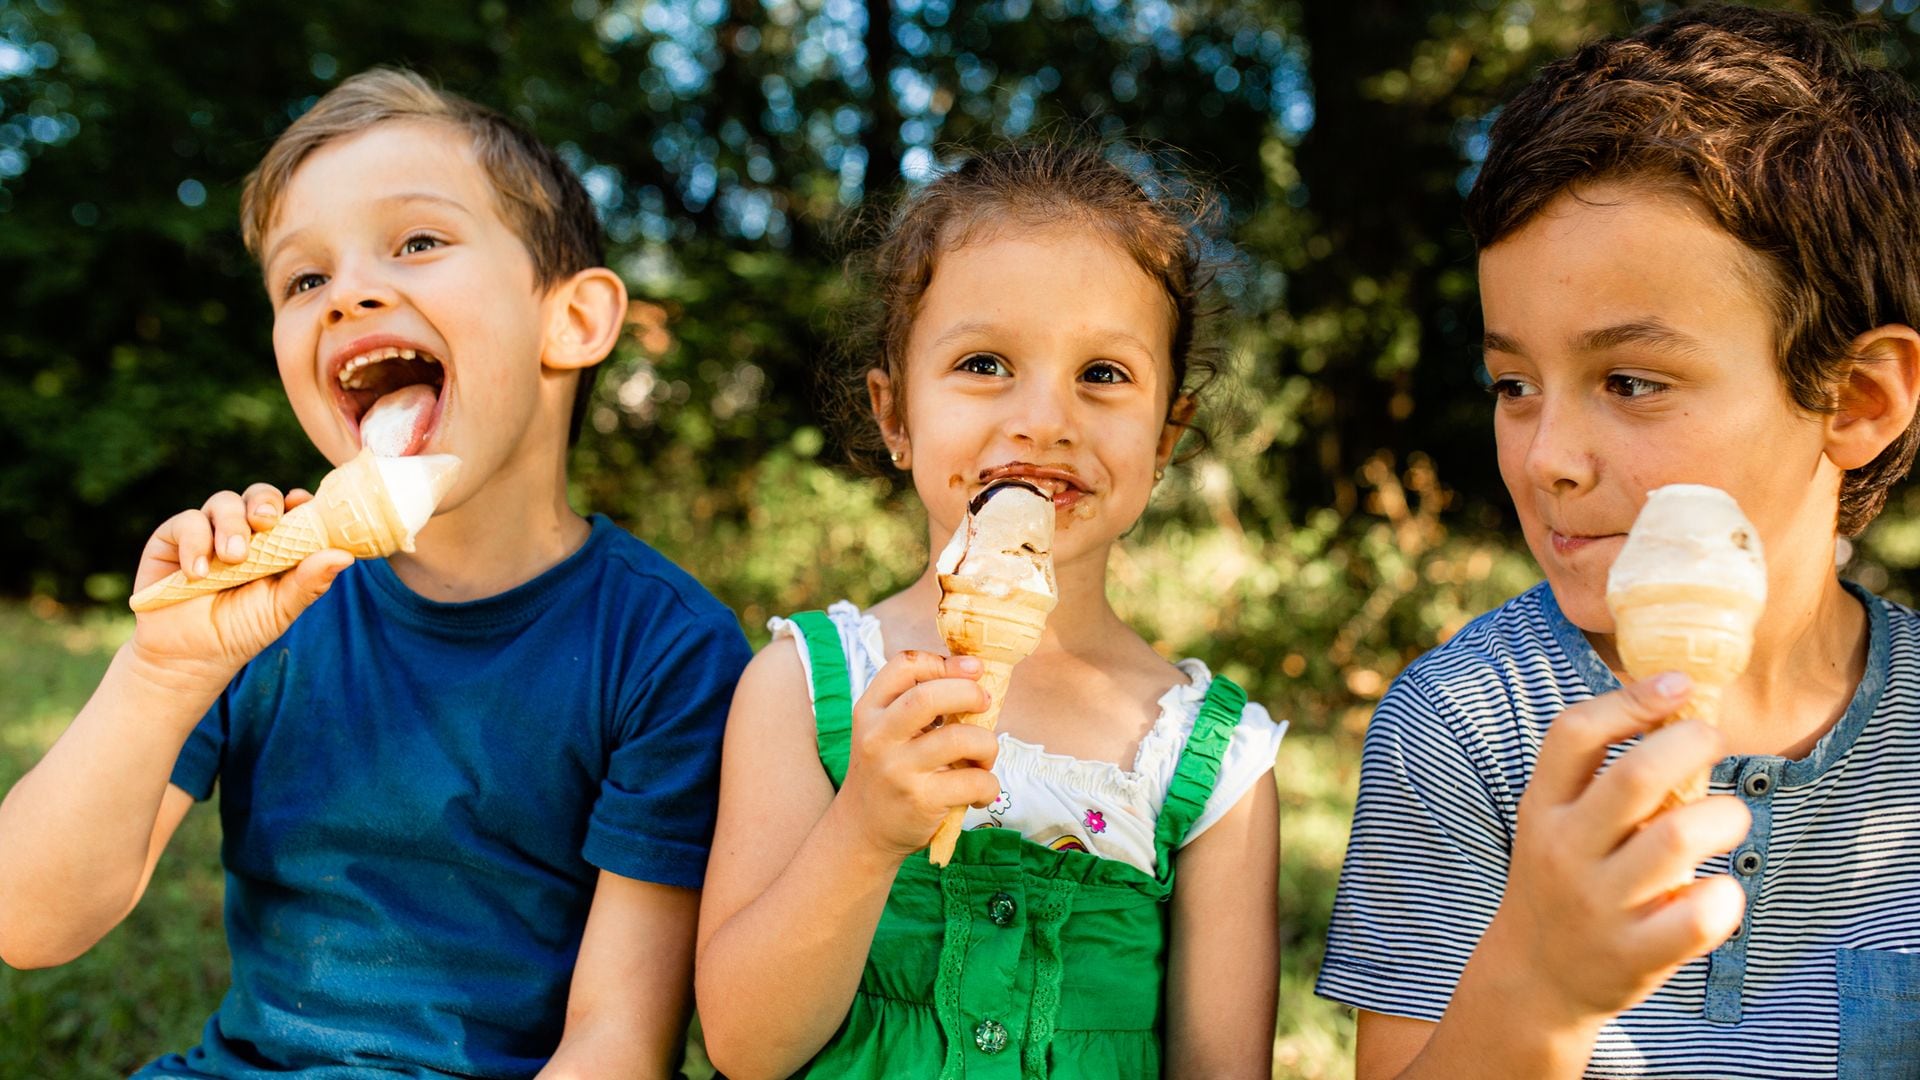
<point>1096,821</point>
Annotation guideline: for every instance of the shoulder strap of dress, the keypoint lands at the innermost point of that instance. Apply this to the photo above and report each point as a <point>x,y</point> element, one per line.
<point>832,692</point>
<point>1199,767</point>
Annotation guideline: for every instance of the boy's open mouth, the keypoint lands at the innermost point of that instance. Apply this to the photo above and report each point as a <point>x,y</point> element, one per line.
<point>391,393</point>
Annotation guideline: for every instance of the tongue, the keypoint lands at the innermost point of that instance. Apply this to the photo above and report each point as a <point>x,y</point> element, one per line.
<point>396,425</point>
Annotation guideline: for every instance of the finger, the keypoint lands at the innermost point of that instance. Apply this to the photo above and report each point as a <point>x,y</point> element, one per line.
<point>1692,922</point>
<point>1633,788</point>
<point>296,497</point>
<point>183,542</point>
<point>264,506</point>
<point>1664,853</point>
<point>228,512</point>
<point>963,787</point>
<point>1577,740</point>
<point>297,589</point>
<point>953,746</point>
<point>914,713</point>
<point>911,667</point>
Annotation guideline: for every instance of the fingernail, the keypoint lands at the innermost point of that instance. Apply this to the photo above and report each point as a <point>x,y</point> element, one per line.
<point>968,663</point>
<point>236,549</point>
<point>1672,684</point>
<point>267,510</point>
<point>200,566</point>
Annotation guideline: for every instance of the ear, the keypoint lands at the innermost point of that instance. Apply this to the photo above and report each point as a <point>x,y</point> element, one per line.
<point>1874,402</point>
<point>585,315</point>
<point>886,413</point>
<point>1179,419</point>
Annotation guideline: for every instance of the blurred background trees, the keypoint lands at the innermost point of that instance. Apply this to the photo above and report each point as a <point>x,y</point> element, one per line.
<point>1348,518</point>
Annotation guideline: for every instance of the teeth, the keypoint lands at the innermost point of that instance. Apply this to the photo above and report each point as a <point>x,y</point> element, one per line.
<point>350,371</point>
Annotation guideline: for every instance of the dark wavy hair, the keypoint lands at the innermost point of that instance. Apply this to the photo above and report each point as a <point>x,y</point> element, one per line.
<point>1160,216</point>
<point>1774,123</point>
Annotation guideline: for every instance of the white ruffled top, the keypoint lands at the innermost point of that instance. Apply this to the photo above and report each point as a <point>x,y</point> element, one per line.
<point>1069,802</point>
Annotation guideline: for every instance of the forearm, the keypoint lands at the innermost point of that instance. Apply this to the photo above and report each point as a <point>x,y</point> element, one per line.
<point>1501,1025</point>
<point>75,832</point>
<point>776,980</point>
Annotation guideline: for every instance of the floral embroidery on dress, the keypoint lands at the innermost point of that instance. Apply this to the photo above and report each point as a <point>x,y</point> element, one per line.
<point>1001,805</point>
<point>1096,822</point>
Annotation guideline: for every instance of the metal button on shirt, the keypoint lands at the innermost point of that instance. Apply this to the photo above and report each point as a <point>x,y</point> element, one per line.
<point>1747,862</point>
<point>1001,909</point>
<point>1758,784</point>
<point>990,1036</point>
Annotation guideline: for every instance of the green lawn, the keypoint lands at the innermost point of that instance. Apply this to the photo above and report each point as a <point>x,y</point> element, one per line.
<point>149,987</point>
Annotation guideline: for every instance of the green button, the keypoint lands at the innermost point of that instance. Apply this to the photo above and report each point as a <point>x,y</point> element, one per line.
<point>990,1037</point>
<point>1001,909</point>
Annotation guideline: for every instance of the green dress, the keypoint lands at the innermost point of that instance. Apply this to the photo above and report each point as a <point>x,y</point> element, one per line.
<point>1016,960</point>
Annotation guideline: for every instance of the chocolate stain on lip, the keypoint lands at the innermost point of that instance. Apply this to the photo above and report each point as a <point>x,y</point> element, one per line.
<point>993,489</point>
<point>956,480</point>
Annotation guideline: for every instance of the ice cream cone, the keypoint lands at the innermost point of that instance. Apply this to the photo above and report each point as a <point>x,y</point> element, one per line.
<point>1704,632</point>
<point>982,618</point>
<point>1686,592</point>
<point>353,509</point>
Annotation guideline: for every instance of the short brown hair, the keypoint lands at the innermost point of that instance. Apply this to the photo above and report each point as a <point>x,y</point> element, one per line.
<point>1774,123</point>
<point>1156,215</point>
<point>540,198</point>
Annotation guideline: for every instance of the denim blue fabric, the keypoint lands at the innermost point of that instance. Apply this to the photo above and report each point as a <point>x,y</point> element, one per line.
<point>1879,1014</point>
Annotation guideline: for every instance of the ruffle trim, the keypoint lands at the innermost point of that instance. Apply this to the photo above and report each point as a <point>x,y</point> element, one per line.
<point>1153,761</point>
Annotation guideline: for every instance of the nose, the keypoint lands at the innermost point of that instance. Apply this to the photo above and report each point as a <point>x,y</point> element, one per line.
<point>1045,416</point>
<point>1560,452</point>
<point>355,291</point>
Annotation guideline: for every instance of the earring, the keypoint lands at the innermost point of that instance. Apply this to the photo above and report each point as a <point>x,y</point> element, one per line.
<point>1159,474</point>
<point>898,456</point>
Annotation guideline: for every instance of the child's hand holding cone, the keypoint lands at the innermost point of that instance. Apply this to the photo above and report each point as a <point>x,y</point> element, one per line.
<point>220,631</point>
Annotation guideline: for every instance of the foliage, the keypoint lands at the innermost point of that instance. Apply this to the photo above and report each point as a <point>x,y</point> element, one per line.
<point>726,142</point>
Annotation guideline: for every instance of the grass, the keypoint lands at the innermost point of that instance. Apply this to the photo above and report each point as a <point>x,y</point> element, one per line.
<point>150,985</point>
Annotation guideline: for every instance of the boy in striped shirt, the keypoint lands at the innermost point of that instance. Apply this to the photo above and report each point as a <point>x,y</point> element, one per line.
<point>1699,262</point>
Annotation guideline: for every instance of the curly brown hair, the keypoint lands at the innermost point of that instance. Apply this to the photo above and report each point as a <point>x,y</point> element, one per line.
<point>1162,217</point>
<point>1775,124</point>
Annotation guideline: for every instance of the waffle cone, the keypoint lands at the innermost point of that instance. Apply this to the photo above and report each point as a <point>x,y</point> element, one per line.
<point>1000,627</point>
<point>1701,631</point>
<point>350,510</point>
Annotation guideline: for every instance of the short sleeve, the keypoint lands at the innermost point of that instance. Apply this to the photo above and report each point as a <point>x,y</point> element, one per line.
<point>198,765</point>
<point>653,818</point>
<point>1426,863</point>
<point>1249,756</point>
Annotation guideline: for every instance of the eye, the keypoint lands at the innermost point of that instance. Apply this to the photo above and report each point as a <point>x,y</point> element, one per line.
<point>1632,386</point>
<point>1510,387</point>
<point>984,364</point>
<point>419,242</point>
<point>1105,371</point>
<point>300,283</point>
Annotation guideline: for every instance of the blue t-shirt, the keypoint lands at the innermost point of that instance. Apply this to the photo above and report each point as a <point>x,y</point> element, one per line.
<point>417,799</point>
<point>1823,978</point>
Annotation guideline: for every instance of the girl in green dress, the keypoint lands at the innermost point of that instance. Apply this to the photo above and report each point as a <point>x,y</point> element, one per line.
<point>1034,317</point>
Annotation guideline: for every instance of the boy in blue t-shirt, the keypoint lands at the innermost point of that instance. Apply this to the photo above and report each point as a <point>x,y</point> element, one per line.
<point>1697,265</point>
<point>467,796</point>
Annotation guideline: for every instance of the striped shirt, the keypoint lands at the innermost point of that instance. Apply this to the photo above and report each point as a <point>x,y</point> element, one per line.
<point>1823,978</point>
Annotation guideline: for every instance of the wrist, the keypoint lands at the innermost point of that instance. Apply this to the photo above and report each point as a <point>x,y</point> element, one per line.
<point>854,849</point>
<point>192,683</point>
<point>1514,1017</point>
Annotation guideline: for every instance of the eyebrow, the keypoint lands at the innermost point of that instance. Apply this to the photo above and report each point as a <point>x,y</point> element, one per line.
<point>1647,332</point>
<point>979,326</point>
<point>401,197</point>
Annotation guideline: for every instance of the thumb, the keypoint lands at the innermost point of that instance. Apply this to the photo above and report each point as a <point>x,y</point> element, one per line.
<point>297,589</point>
